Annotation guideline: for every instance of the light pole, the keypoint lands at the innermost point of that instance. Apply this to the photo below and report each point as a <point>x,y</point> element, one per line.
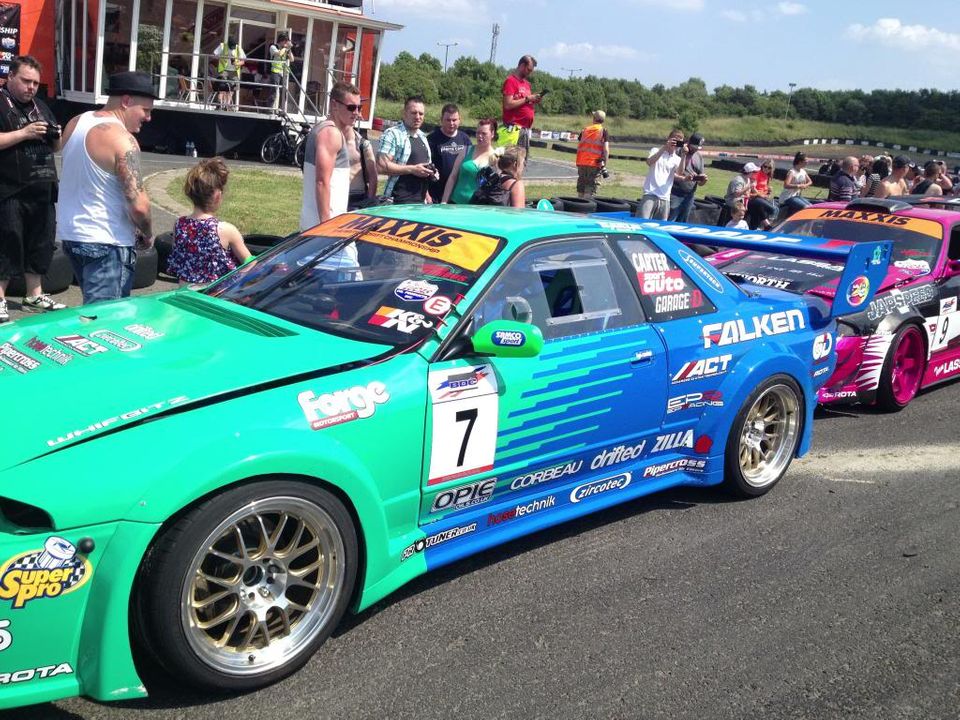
<point>789,95</point>
<point>571,71</point>
<point>446,50</point>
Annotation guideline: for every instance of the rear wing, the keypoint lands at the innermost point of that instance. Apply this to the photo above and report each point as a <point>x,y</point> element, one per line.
<point>865,264</point>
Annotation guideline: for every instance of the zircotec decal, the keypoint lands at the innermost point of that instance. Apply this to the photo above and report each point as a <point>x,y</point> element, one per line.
<point>48,572</point>
<point>465,249</point>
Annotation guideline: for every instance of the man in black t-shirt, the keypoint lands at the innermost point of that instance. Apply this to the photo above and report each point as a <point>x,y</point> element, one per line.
<point>404,156</point>
<point>29,136</point>
<point>447,142</point>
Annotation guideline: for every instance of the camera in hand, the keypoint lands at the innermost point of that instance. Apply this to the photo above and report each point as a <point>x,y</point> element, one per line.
<point>52,132</point>
<point>604,173</point>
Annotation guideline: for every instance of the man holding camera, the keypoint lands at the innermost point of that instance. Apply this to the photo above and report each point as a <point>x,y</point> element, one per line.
<point>29,136</point>
<point>404,156</point>
<point>663,164</point>
<point>689,177</point>
<point>592,154</point>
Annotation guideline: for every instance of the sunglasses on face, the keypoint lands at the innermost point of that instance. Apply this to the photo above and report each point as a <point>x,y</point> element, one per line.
<point>350,106</point>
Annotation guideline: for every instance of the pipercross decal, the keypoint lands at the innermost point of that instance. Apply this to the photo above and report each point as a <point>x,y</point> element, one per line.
<point>47,572</point>
<point>735,331</point>
<point>16,360</point>
<point>356,403</point>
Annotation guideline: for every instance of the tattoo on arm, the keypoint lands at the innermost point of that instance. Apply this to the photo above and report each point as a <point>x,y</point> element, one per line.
<point>131,181</point>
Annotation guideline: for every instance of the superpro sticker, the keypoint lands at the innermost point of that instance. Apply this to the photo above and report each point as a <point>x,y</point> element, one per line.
<point>356,403</point>
<point>465,249</point>
<point>415,290</point>
<point>44,573</point>
<point>700,270</point>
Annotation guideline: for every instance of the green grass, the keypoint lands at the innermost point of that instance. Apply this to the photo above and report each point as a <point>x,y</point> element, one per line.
<point>733,129</point>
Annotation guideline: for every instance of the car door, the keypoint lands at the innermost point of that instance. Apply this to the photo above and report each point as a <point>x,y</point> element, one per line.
<point>582,408</point>
<point>943,317</point>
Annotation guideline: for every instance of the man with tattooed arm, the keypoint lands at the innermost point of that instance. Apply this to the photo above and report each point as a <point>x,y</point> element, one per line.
<point>103,213</point>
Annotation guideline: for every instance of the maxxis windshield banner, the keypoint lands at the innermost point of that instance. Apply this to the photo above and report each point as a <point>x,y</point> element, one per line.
<point>9,36</point>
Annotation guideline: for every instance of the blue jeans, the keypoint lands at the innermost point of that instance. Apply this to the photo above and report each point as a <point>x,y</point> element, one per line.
<point>105,272</point>
<point>680,206</point>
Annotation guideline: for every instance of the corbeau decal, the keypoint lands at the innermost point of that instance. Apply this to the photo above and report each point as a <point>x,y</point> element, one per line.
<point>342,406</point>
<point>16,360</point>
<point>7,678</point>
<point>404,321</point>
<point>542,476</point>
<point>735,331</point>
<point>468,250</point>
<point>521,510</point>
<point>591,489</point>
<point>707,367</point>
<point>107,422</point>
<point>434,540</point>
<point>48,572</point>
<point>822,346</point>
<point>464,496</point>
<point>118,341</point>
<point>690,401</point>
<point>899,300</point>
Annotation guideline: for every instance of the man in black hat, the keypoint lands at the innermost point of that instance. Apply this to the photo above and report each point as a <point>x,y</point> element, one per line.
<point>104,211</point>
<point>29,135</point>
<point>689,176</point>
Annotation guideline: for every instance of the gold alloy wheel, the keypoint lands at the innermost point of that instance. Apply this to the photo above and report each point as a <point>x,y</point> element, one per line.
<point>769,435</point>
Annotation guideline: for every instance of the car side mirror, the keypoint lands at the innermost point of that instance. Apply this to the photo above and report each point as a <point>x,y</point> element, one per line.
<point>953,268</point>
<point>508,339</point>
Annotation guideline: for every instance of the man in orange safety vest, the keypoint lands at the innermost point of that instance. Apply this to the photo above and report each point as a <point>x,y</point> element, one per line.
<point>592,154</point>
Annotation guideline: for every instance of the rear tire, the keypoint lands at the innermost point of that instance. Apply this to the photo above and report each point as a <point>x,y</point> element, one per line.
<point>245,587</point>
<point>272,148</point>
<point>902,369</point>
<point>764,437</point>
<point>299,153</point>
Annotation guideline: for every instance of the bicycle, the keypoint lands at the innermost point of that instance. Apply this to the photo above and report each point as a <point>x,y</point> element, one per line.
<point>289,143</point>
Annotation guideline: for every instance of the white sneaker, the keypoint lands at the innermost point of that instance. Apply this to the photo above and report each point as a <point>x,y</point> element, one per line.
<point>4,313</point>
<point>41,303</point>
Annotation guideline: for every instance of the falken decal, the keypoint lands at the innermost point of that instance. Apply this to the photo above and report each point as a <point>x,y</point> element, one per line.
<point>48,572</point>
<point>740,330</point>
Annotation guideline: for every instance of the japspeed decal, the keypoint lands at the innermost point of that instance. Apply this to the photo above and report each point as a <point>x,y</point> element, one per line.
<point>107,422</point>
<point>464,496</point>
<point>48,572</point>
<point>45,671</point>
<point>822,346</point>
<point>705,368</point>
<point>740,330</point>
<point>597,487</point>
<point>436,539</point>
<point>356,403</point>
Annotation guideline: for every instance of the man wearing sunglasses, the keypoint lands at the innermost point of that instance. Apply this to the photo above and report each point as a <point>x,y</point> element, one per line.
<point>327,162</point>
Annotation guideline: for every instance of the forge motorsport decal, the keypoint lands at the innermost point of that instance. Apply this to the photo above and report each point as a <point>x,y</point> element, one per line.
<point>48,572</point>
<point>356,403</point>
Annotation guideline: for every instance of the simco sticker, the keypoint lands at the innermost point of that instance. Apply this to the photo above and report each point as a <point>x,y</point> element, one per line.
<point>356,403</point>
<point>415,290</point>
<point>118,341</point>
<point>47,572</point>
<point>509,338</point>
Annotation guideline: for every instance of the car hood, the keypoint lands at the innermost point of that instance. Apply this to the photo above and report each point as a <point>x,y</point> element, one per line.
<point>78,373</point>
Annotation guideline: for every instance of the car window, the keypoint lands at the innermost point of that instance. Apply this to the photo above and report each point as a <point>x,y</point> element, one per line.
<point>666,291</point>
<point>373,279</point>
<point>953,252</point>
<point>569,287</point>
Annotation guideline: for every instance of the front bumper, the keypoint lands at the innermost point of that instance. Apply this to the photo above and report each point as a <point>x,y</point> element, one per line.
<point>64,613</point>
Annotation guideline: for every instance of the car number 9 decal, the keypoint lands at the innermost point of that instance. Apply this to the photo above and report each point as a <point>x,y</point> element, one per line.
<point>465,409</point>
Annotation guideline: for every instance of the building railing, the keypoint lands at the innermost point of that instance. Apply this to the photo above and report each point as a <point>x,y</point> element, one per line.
<point>253,88</point>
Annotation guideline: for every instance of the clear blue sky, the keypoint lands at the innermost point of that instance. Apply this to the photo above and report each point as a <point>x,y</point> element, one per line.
<point>826,44</point>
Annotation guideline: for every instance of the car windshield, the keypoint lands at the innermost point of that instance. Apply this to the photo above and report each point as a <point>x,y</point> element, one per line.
<point>368,278</point>
<point>916,241</point>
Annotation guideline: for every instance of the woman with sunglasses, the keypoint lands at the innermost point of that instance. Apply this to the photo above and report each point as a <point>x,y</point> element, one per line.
<point>760,208</point>
<point>796,181</point>
<point>463,178</point>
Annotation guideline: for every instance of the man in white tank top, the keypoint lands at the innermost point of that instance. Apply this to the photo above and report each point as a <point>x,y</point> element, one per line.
<point>103,210</point>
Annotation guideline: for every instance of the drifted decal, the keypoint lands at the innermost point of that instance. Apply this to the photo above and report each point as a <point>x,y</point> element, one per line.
<point>465,249</point>
<point>47,572</point>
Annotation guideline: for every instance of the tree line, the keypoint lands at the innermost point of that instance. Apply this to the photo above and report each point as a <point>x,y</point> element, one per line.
<point>475,86</point>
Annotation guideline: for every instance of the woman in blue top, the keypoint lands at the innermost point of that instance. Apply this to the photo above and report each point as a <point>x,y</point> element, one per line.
<point>463,178</point>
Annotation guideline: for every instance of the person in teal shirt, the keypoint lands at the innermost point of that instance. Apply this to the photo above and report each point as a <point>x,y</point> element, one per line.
<point>463,178</point>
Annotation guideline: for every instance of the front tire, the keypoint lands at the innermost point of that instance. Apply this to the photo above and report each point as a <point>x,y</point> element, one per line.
<point>272,148</point>
<point>902,369</point>
<point>243,589</point>
<point>764,437</point>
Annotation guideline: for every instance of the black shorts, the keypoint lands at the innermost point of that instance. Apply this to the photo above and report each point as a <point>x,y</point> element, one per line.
<point>27,224</point>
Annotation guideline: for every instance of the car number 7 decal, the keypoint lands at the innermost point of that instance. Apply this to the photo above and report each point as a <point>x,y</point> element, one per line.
<point>465,409</point>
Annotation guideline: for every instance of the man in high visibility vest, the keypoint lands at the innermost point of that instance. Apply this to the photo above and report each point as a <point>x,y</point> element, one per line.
<point>230,57</point>
<point>281,55</point>
<point>592,154</point>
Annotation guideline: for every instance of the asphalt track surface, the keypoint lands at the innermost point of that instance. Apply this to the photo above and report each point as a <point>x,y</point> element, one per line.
<point>837,595</point>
